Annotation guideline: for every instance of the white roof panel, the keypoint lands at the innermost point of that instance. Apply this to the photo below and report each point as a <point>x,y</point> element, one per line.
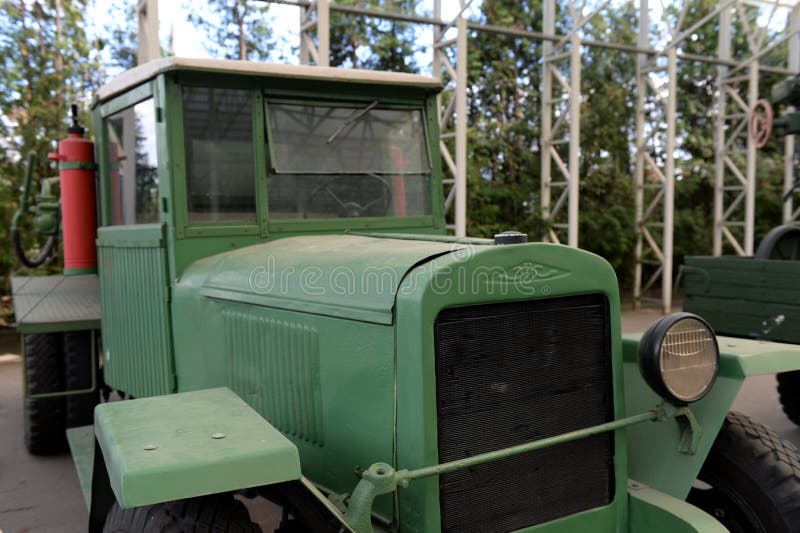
<point>151,69</point>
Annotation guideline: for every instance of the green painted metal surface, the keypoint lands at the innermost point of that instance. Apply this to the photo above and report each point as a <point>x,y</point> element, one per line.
<point>674,472</point>
<point>134,285</point>
<point>185,445</point>
<point>654,457</point>
<point>750,357</point>
<point>484,274</point>
<point>56,303</point>
<point>345,276</point>
<point>381,478</point>
<point>652,511</point>
<point>81,446</point>
<point>745,297</point>
<point>325,382</point>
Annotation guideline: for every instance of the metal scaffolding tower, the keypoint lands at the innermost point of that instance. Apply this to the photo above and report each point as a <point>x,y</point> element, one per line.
<point>453,109</point>
<point>315,16</point>
<point>654,178</point>
<point>563,134</point>
<point>735,149</point>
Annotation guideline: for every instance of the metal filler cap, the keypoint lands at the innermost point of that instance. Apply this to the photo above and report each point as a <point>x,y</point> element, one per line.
<point>510,237</point>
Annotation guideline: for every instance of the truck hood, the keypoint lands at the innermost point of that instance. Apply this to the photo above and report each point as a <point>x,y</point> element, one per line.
<point>346,276</point>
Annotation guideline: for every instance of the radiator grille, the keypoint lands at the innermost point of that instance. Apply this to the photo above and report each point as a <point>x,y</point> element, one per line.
<point>514,372</point>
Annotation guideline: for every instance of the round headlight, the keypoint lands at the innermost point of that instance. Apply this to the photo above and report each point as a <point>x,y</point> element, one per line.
<point>679,357</point>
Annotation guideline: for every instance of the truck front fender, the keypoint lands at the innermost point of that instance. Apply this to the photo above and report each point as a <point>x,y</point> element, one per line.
<point>653,454</point>
<point>165,448</point>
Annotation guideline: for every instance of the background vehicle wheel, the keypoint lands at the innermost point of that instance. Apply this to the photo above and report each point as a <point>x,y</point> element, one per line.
<point>789,394</point>
<point>78,364</point>
<point>781,242</point>
<point>219,513</point>
<point>751,479</point>
<point>44,417</point>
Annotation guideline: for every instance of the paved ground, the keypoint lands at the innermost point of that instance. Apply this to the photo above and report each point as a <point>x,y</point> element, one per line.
<point>41,495</point>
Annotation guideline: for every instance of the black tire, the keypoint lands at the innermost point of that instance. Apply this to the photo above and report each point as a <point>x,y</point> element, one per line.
<point>781,242</point>
<point>750,480</point>
<point>44,417</point>
<point>78,365</point>
<point>789,394</point>
<point>219,513</point>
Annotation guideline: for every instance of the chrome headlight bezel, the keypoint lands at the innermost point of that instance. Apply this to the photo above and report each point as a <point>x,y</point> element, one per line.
<point>650,353</point>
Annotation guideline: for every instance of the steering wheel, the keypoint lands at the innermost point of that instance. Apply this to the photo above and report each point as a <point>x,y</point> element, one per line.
<point>348,208</point>
<point>761,123</point>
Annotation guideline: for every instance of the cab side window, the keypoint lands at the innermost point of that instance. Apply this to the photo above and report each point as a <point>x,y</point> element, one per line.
<point>134,164</point>
<point>218,141</point>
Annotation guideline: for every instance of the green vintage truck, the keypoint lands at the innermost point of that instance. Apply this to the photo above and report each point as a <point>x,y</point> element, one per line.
<point>281,313</point>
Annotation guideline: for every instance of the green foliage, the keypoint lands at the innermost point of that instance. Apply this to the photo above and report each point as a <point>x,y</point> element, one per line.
<point>236,29</point>
<point>47,63</point>
<point>119,41</point>
<point>374,44</point>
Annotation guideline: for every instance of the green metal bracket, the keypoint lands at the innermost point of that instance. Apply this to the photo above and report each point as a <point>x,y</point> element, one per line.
<point>380,478</point>
<point>691,431</point>
<point>689,427</point>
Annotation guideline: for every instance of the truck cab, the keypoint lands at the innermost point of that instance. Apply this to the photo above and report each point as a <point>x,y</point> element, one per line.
<point>224,154</point>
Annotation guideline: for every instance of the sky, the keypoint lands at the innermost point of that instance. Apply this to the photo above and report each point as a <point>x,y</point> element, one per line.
<point>284,21</point>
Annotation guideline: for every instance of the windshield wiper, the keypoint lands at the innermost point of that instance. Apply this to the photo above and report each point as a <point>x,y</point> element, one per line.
<point>352,118</point>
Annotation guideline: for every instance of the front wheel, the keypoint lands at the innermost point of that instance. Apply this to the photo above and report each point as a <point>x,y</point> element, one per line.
<point>750,481</point>
<point>219,513</point>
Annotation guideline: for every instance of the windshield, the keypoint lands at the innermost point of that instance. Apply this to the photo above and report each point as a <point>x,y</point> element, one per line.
<point>332,161</point>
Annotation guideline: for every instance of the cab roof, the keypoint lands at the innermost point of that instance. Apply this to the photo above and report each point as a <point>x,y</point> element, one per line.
<point>151,69</point>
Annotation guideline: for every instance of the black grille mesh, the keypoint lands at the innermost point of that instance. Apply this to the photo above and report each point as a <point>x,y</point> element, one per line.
<point>514,372</point>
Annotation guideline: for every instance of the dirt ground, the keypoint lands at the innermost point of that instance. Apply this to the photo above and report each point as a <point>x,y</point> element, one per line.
<point>42,495</point>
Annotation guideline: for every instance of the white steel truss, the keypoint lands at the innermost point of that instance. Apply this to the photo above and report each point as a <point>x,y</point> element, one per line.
<point>790,174</point>
<point>149,47</point>
<point>315,17</point>
<point>453,110</point>
<point>654,178</point>
<point>561,123</point>
<point>735,149</point>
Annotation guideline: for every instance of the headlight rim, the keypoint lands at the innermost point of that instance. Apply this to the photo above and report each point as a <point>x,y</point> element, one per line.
<point>649,353</point>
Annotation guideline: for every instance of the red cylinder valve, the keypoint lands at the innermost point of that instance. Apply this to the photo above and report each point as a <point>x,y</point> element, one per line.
<point>78,207</point>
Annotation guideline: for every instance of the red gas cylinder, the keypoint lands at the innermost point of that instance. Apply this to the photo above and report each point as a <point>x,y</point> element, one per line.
<point>78,208</point>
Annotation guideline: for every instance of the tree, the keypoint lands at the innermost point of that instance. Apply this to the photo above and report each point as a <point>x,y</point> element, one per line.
<point>504,99</point>
<point>119,42</point>
<point>371,43</point>
<point>236,29</point>
<point>47,63</point>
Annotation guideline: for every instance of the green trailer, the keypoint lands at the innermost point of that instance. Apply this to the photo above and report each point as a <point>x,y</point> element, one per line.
<point>281,314</point>
<point>754,297</point>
